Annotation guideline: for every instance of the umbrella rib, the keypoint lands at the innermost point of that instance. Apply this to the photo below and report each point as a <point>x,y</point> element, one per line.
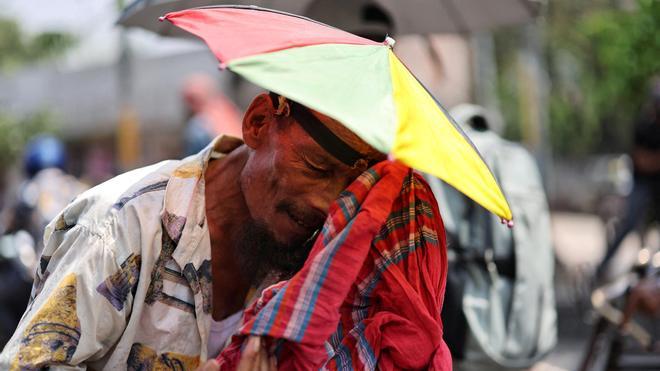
<point>456,15</point>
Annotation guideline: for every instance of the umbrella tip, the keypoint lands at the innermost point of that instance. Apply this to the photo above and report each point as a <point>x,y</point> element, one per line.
<point>161,18</point>
<point>389,41</point>
<point>509,223</point>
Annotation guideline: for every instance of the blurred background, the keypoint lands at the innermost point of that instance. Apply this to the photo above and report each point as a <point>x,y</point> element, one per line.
<point>576,83</point>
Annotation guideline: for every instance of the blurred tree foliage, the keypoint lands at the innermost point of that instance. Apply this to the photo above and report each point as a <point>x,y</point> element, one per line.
<point>600,58</point>
<point>16,50</point>
<point>14,134</point>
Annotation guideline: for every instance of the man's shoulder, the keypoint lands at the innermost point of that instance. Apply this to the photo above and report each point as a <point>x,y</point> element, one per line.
<point>105,201</point>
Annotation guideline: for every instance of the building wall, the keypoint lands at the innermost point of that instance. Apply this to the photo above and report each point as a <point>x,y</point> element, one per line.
<point>87,102</point>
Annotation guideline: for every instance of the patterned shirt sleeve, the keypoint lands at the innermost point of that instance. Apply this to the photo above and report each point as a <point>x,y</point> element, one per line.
<point>81,300</point>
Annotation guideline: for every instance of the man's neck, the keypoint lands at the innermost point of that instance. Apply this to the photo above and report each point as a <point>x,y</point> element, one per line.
<point>226,212</point>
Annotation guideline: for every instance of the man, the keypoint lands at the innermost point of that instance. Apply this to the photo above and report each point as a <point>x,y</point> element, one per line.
<point>136,271</point>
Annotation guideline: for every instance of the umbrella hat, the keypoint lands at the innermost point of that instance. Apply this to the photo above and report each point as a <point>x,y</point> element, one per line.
<point>356,81</point>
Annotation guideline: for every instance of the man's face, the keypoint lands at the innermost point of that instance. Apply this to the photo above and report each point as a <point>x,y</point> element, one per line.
<point>289,181</point>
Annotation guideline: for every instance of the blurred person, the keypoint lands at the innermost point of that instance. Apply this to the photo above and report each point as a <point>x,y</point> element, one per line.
<point>16,260</point>
<point>499,309</point>
<point>643,202</point>
<point>47,188</point>
<point>153,268</point>
<point>210,113</point>
<point>644,298</point>
<point>98,165</point>
<point>45,192</point>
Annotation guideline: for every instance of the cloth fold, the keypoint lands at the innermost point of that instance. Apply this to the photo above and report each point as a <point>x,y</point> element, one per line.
<point>370,293</point>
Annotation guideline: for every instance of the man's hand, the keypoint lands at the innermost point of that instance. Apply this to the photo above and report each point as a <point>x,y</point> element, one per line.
<point>255,357</point>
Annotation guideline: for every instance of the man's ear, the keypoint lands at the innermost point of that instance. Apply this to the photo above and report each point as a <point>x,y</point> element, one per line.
<point>259,114</point>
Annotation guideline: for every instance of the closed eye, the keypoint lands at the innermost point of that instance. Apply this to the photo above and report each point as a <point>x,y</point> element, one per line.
<point>316,168</point>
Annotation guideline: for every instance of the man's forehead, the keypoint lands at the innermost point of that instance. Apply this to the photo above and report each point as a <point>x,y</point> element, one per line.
<point>337,141</point>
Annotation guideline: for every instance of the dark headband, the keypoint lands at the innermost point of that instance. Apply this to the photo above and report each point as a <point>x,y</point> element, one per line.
<point>320,133</point>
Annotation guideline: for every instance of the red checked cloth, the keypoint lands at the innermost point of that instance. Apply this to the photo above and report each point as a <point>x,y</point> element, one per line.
<point>370,293</point>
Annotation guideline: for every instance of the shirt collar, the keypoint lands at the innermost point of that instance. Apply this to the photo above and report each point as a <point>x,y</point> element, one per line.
<point>184,209</point>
